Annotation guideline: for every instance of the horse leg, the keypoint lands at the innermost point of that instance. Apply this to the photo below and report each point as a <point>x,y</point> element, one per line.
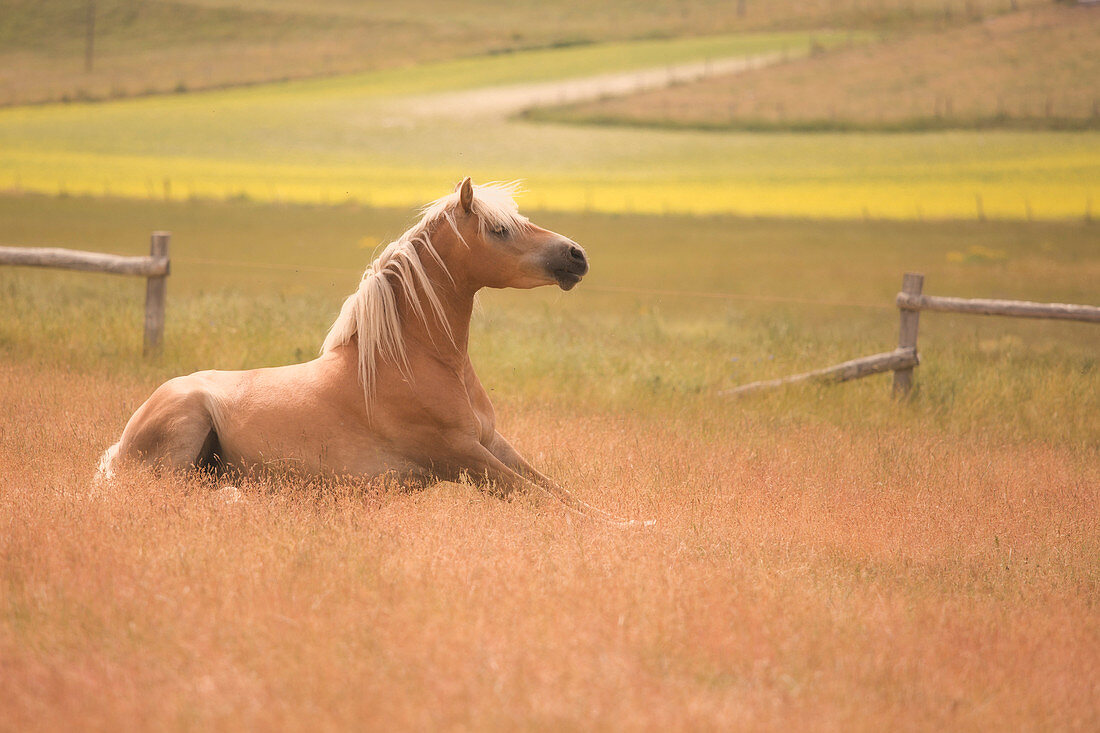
<point>511,458</point>
<point>173,430</point>
<point>479,460</point>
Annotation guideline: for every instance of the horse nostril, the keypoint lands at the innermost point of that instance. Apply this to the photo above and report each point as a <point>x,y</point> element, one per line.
<point>577,254</point>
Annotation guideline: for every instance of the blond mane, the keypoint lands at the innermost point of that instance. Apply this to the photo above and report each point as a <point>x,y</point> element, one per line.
<point>371,315</point>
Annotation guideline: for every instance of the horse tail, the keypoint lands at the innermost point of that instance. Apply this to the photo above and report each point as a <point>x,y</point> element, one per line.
<point>105,470</point>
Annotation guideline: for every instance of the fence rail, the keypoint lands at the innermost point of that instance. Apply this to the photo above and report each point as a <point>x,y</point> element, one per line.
<point>1015,308</point>
<point>155,268</point>
<point>73,259</point>
<point>854,369</point>
<point>902,360</point>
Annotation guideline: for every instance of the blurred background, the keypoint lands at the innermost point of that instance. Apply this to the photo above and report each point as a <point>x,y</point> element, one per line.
<point>751,178</point>
<point>600,107</point>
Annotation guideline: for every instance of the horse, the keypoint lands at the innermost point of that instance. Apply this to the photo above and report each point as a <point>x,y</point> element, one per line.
<point>393,392</point>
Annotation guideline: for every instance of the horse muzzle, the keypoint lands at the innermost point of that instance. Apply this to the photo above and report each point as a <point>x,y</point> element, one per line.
<point>568,266</point>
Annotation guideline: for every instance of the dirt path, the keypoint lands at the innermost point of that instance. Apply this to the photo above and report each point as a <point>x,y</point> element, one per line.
<point>501,101</point>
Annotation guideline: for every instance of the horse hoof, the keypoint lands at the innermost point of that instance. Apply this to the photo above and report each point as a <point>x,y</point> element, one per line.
<point>229,494</point>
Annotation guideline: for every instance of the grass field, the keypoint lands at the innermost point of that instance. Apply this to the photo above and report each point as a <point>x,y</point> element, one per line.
<point>800,295</point>
<point>824,557</point>
<point>1031,69</point>
<point>146,46</point>
<point>388,138</point>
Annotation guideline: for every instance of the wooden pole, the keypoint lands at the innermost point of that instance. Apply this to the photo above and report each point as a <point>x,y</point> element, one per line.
<point>1015,308</point>
<point>854,369</point>
<point>89,38</point>
<point>155,290</point>
<point>71,259</point>
<point>911,285</point>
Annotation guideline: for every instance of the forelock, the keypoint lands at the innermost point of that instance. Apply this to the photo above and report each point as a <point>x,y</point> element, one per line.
<point>494,204</point>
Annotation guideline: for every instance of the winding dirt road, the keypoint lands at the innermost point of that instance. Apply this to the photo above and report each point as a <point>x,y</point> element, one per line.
<point>501,101</point>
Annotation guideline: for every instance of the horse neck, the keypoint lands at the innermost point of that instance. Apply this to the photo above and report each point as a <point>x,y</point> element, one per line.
<point>428,334</point>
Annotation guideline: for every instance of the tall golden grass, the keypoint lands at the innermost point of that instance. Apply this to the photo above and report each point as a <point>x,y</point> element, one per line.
<point>824,558</point>
<point>800,576</point>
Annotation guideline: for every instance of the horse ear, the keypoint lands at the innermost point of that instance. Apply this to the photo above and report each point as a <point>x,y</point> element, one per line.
<point>466,194</point>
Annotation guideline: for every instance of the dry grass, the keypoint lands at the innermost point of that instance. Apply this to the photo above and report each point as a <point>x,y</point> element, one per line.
<point>1036,68</point>
<point>824,558</point>
<point>161,45</point>
<point>800,576</point>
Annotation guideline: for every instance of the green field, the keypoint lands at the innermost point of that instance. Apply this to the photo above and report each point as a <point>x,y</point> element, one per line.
<point>255,285</point>
<point>389,138</point>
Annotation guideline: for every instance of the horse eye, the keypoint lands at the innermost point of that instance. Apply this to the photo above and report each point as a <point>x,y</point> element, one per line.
<point>501,232</point>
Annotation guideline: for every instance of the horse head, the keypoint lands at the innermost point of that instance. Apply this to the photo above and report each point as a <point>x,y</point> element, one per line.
<point>497,247</point>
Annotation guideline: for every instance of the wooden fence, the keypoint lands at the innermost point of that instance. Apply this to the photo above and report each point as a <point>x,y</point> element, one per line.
<point>154,268</point>
<point>904,358</point>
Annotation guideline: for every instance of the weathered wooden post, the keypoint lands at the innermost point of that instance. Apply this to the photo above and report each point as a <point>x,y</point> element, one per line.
<point>155,290</point>
<point>911,284</point>
<point>901,360</point>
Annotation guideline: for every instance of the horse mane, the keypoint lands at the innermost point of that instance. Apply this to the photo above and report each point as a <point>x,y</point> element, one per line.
<point>370,314</point>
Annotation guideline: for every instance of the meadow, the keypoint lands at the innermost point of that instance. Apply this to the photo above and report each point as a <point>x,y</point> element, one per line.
<point>703,303</point>
<point>158,46</point>
<point>387,138</point>
<point>824,557</point>
<point>1032,69</point>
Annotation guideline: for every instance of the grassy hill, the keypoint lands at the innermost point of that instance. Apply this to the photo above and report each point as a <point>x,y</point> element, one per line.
<point>392,138</point>
<point>143,46</point>
<point>1033,69</point>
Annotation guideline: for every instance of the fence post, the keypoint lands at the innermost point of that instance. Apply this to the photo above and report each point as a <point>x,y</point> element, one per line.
<point>155,290</point>
<point>911,284</point>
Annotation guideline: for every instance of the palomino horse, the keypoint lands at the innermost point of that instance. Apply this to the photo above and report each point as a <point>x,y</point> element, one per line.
<point>393,392</point>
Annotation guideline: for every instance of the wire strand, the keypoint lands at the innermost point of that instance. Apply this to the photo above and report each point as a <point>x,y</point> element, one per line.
<point>587,289</point>
<point>736,296</point>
